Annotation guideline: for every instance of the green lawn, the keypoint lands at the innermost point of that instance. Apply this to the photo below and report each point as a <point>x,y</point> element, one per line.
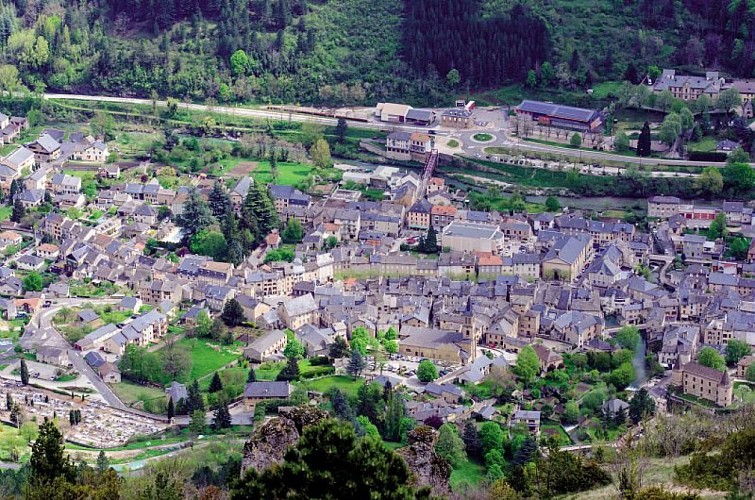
<point>208,357</point>
<point>453,143</point>
<point>269,370</point>
<point>5,212</point>
<point>347,384</point>
<point>288,173</point>
<point>131,393</point>
<point>482,137</point>
<point>10,439</point>
<point>469,473</point>
<point>706,144</point>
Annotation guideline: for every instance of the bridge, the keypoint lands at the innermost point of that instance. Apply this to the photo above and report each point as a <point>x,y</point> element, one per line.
<point>431,161</point>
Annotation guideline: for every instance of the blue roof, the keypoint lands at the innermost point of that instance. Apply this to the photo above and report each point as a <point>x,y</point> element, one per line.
<point>557,110</point>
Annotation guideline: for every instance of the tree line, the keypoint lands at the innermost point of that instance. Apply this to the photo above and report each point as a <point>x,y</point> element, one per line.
<point>452,38</point>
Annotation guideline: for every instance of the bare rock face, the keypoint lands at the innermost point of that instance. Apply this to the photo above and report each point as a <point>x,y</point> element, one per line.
<point>268,444</point>
<point>270,441</point>
<point>428,468</point>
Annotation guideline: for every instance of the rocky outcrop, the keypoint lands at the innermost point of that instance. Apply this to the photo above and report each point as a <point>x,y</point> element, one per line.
<point>428,467</point>
<point>270,441</point>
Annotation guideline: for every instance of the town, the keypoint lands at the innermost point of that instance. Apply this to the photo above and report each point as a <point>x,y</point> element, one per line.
<point>143,296</point>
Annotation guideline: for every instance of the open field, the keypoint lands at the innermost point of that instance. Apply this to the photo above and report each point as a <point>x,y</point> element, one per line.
<point>289,174</point>
<point>207,357</point>
<point>131,393</point>
<point>470,473</point>
<point>347,384</point>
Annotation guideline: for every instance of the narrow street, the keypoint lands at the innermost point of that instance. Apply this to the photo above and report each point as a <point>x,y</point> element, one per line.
<point>54,338</point>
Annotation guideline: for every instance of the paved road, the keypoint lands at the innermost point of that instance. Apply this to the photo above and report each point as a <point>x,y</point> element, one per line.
<point>55,338</point>
<point>497,127</point>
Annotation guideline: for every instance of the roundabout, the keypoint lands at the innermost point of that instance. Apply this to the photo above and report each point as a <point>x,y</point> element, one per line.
<point>483,137</point>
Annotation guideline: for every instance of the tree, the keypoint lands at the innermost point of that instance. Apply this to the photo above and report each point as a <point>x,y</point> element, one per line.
<point>233,313</point>
<point>491,437</point>
<point>219,201</point>
<point>209,243</point>
<point>453,78</point>
<point>290,371</point>
<point>450,445</point>
<point>18,212</point>
<point>711,358</point>
<point>294,348</point>
<point>739,177</point>
<point>360,339</point>
<point>49,460</point>
<point>222,417</point>
<point>171,410</point>
<point>531,80</point>
<point>15,188</point>
<point>750,373</point>
<point>198,422</point>
<point>552,204</point>
<point>739,155</point>
<point>644,141</point>
<point>216,384</point>
<point>710,181</point>
<point>527,364</point>
<point>204,324</point>
<point>24,372</point>
<point>429,244</point>
<point>622,376</point>
<point>196,215</point>
<point>320,152</point>
<point>427,371</point>
<point>339,348</point>
<point>293,233</point>
<point>356,364</point>
<point>736,350</point>
<point>103,464</point>
<point>571,412</point>
<point>194,399</point>
<point>576,140</point>
<point>717,227</point>
<point>687,118</point>
<point>621,142</point>
<point>239,62</point>
<point>329,458</point>
<point>33,282</point>
<point>252,376</point>
<point>341,130</point>
<point>628,337</point>
<point>670,129</point>
<point>729,99</point>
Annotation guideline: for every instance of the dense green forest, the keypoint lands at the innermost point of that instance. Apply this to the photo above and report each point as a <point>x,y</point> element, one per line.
<point>359,51</point>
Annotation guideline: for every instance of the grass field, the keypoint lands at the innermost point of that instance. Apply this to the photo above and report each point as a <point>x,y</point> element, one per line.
<point>289,174</point>
<point>208,357</point>
<point>5,212</point>
<point>482,137</point>
<point>469,473</point>
<point>706,144</point>
<point>347,384</point>
<point>131,393</point>
<point>453,143</point>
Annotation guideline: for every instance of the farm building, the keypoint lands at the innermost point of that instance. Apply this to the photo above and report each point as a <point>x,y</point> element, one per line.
<point>566,117</point>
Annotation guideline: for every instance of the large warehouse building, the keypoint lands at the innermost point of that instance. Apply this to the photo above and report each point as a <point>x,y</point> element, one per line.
<point>566,117</point>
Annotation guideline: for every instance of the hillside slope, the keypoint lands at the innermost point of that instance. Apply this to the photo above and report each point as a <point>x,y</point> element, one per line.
<point>359,51</point>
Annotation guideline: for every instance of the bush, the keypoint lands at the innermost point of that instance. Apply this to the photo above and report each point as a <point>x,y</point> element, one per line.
<point>320,371</point>
<point>319,360</point>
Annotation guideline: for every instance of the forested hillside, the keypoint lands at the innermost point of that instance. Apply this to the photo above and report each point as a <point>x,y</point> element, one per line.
<point>359,51</point>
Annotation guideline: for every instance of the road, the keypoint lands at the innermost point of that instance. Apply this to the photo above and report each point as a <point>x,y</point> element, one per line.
<point>498,126</point>
<point>56,339</point>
